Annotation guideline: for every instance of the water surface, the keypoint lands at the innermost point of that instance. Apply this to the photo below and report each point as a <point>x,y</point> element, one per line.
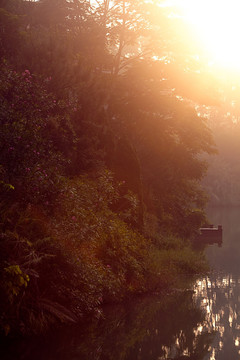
<point>219,293</point>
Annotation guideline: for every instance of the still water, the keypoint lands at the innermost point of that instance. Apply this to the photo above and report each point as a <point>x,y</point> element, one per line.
<point>219,293</point>
<point>200,323</point>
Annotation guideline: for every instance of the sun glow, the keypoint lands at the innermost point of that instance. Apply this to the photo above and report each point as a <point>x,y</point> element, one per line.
<point>217,25</point>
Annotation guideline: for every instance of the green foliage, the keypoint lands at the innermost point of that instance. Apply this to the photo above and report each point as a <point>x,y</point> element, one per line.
<point>172,260</point>
<point>73,234</point>
<point>86,226</point>
<point>26,277</point>
<point>14,279</point>
<point>30,161</point>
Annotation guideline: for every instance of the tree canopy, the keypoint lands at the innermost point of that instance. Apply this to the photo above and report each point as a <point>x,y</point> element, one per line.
<point>101,159</point>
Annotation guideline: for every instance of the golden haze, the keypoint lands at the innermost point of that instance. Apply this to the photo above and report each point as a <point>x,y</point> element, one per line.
<point>216,26</point>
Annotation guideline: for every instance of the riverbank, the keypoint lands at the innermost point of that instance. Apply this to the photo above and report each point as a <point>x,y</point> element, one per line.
<point>199,323</point>
<point>60,282</point>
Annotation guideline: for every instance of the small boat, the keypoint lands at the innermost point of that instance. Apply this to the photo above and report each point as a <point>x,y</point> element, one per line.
<point>211,234</point>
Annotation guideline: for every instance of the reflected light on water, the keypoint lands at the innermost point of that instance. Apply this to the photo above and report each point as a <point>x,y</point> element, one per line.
<point>218,296</point>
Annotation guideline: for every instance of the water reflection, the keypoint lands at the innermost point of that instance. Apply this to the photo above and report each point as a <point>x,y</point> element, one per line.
<point>219,297</point>
<point>145,329</point>
<point>219,294</point>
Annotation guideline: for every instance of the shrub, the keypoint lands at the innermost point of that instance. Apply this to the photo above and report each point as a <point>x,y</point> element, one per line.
<point>30,160</point>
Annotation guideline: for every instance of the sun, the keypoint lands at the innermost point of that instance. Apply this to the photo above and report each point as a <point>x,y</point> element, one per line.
<point>216,24</point>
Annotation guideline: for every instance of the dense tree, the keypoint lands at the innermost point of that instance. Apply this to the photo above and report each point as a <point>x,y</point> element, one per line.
<point>79,94</point>
<point>169,138</point>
